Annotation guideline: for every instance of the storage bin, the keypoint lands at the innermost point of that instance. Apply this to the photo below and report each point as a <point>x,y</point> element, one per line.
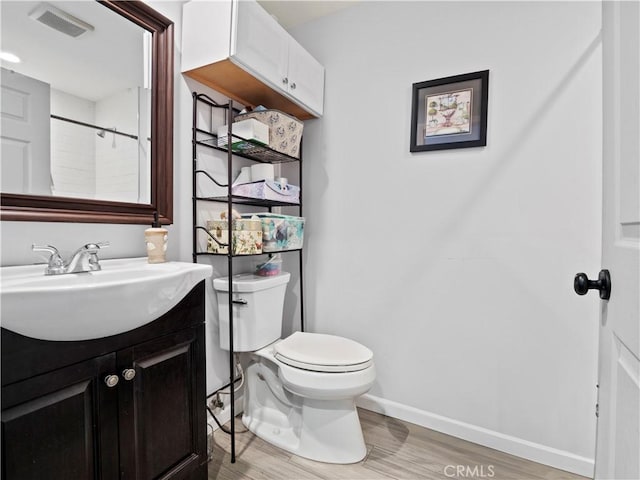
<point>268,190</point>
<point>281,232</point>
<point>246,238</point>
<point>271,267</point>
<point>248,129</point>
<point>285,131</point>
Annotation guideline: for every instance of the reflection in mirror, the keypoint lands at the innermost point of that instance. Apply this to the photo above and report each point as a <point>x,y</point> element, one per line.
<point>84,72</point>
<point>86,123</point>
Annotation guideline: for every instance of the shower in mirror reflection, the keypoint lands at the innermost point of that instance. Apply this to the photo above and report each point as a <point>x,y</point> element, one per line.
<point>78,91</point>
<point>103,132</point>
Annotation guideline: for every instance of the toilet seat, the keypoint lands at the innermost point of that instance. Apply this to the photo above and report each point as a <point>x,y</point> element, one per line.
<point>319,352</point>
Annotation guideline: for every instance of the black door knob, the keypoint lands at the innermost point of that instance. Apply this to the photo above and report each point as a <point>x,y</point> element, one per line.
<point>582,284</point>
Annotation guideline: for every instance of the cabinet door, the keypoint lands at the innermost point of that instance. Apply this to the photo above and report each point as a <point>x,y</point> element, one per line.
<point>306,78</point>
<point>260,44</point>
<point>61,425</point>
<point>162,408</point>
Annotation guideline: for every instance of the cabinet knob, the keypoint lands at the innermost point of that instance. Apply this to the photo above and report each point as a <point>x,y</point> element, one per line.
<point>285,80</point>
<point>111,380</point>
<point>293,85</point>
<point>128,373</point>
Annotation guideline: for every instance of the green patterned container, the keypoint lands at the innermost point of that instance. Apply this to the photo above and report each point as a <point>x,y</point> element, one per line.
<point>280,232</point>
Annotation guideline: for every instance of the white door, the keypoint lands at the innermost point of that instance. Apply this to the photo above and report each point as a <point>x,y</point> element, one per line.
<point>618,433</point>
<point>25,134</point>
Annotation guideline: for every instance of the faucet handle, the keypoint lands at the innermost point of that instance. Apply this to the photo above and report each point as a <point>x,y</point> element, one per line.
<point>45,248</point>
<point>56,263</point>
<point>95,246</point>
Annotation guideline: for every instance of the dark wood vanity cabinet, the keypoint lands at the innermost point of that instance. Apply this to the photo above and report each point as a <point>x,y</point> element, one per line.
<point>61,424</point>
<point>131,406</point>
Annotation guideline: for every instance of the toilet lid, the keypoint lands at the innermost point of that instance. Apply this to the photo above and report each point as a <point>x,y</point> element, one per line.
<point>323,353</point>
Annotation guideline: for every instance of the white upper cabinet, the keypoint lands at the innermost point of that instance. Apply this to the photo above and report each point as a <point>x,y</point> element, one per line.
<point>260,44</point>
<point>305,78</point>
<point>237,48</point>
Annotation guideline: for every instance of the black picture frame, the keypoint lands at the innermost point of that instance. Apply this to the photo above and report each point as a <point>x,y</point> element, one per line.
<point>450,112</point>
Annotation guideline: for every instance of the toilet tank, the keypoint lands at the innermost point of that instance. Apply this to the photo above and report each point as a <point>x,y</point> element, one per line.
<point>258,303</point>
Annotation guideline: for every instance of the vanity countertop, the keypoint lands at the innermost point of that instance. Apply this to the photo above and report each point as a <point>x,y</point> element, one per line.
<point>125,294</point>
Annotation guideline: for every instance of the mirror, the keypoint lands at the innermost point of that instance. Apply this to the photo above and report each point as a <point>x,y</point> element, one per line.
<point>99,142</point>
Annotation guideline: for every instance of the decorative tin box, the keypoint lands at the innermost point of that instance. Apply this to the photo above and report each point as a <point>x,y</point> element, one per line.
<point>281,232</point>
<point>246,238</point>
<point>285,131</point>
<point>268,190</point>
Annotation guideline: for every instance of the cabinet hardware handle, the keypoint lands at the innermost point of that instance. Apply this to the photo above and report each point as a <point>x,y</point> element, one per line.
<point>285,80</point>
<point>293,86</point>
<point>111,380</point>
<point>128,373</point>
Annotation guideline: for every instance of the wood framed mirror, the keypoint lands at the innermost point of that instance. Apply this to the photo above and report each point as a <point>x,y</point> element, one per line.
<point>51,208</point>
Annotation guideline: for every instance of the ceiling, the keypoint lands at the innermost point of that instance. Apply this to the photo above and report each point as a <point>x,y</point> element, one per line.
<point>292,13</point>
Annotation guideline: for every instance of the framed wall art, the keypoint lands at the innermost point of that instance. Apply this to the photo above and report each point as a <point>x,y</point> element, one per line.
<point>450,112</point>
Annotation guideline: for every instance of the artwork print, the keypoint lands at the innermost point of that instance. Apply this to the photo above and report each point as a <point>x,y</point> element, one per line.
<point>448,113</point>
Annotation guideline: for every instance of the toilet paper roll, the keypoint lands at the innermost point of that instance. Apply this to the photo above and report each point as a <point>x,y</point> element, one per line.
<point>283,183</point>
<point>262,171</point>
<point>244,176</point>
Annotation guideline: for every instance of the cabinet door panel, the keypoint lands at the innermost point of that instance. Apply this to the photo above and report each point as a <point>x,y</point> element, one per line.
<point>166,403</point>
<point>56,426</point>
<point>261,44</point>
<point>306,78</point>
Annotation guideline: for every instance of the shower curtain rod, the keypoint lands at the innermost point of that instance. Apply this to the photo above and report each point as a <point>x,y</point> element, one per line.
<point>110,130</point>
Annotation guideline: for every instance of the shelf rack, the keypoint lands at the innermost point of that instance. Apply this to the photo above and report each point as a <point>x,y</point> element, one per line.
<point>255,152</point>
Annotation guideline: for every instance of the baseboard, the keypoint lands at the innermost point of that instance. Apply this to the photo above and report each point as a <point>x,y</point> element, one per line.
<point>535,452</point>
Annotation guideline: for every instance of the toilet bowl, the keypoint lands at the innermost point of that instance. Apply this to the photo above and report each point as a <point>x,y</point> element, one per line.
<point>300,391</point>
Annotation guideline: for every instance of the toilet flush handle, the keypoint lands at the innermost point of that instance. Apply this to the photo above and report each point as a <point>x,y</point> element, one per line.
<point>239,301</point>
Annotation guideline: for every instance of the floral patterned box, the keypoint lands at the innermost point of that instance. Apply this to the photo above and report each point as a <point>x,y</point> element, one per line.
<point>246,237</point>
<point>285,131</point>
<point>280,232</point>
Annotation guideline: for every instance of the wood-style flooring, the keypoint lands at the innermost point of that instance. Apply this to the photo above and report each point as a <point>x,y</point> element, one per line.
<point>395,450</point>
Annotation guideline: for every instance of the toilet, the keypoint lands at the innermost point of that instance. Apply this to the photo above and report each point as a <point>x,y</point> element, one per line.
<point>300,391</point>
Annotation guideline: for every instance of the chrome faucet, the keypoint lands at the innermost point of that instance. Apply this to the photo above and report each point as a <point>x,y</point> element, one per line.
<point>85,259</point>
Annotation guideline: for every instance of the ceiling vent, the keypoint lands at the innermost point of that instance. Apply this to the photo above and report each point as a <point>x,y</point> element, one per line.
<point>59,20</point>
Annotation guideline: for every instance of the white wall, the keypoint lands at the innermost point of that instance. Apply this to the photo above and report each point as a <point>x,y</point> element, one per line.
<point>456,267</point>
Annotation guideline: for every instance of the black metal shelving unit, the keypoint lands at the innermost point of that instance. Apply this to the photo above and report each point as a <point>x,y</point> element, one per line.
<point>203,138</point>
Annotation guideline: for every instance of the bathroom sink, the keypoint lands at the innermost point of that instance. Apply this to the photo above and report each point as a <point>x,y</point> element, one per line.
<point>125,294</point>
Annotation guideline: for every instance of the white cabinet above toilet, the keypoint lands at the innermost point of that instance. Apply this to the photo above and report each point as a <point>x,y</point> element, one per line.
<point>237,48</point>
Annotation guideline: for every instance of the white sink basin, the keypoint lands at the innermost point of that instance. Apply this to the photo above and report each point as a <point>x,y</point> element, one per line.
<point>125,294</point>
